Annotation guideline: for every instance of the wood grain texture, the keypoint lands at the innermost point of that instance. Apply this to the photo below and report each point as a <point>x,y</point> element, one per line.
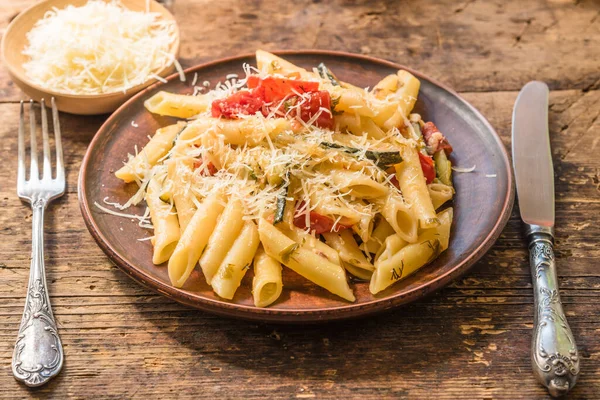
<point>470,45</point>
<point>470,341</point>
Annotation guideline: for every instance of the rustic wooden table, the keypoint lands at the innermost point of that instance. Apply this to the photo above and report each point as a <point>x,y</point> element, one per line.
<point>469,341</point>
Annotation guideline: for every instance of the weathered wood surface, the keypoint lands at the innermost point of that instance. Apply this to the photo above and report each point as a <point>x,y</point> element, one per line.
<point>470,341</point>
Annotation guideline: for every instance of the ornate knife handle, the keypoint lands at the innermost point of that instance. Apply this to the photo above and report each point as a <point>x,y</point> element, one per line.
<point>38,354</point>
<point>553,352</point>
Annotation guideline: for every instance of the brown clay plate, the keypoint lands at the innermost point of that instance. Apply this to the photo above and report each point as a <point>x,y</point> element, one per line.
<point>482,204</point>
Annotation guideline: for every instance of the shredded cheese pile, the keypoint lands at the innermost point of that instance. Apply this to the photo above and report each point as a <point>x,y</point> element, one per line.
<point>98,48</point>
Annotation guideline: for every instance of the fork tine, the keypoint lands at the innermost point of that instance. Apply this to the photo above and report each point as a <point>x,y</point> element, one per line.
<point>60,168</point>
<point>21,151</point>
<point>34,172</point>
<point>47,174</point>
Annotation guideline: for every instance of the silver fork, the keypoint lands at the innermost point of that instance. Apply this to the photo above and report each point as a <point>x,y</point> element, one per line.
<point>38,354</point>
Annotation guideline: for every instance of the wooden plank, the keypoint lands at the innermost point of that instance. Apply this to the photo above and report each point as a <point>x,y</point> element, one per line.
<point>472,45</point>
<point>469,341</point>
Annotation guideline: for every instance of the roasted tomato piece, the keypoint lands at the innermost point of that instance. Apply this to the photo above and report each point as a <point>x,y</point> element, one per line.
<point>274,89</point>
<point>427,167</point>
<point>318,223</point>
<point>434,138</point>
<point>308,105</point>
<point>317,103</point>
<point>208,170</point>
<point>241,103</point>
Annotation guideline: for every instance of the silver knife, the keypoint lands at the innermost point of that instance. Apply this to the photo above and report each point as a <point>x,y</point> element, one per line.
<point>554,352</point>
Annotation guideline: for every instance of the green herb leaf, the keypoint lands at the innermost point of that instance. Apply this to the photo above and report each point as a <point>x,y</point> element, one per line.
<point>334,103</point>
<point>282,199</point>
<point>383,159</point>
<point>326,73</point>
<point>287,252</point>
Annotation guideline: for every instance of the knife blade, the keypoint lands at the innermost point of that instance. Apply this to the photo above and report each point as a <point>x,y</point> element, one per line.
<point>532,159</point>
<point>554,356</point>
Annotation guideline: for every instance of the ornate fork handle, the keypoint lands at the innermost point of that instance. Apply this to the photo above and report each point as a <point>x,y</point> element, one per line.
<point>38,354</point>
<point>553,352</point>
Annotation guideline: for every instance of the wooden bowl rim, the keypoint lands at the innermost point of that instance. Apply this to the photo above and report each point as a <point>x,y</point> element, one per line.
<point>299,315</point>
<point>47,5</point>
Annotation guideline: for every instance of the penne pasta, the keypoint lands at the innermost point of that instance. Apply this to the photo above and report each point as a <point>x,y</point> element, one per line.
<point>414,189</point>
<point>164,221</point>
<point>402,260</point>
<point>386,87</point>
<point>407,92</point>
<point>271,64</point>
<point>382,230</point>
<point>250,130</point>
<point>177,105</point>
<point>362,274</point>
<point>179,172</point>
<point>155,149</point>
<point>228,228</point>
<point>348,249</point>
<point>310,265</point>
<point>397,96</point>
<point>364,227</point>
<point>400,217</point>
<point>358,125</point>
<point>309,241</point>
<point>194,239</point>
<point>236,262</point>
<point>351,100</point>
<point>267,283</point>
<point>391,245</point>
<point>439,194</point>
<point>357,184</point>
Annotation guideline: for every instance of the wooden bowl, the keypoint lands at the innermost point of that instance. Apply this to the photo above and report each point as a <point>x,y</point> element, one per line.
<point>15,40</point>
<point>482,204</point>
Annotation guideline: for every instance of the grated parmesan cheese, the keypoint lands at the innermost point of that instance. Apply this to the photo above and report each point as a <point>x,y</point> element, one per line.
<point>294,158</point>
<point>98,48</point>
<point>179,69</point>
<point>459,169</point>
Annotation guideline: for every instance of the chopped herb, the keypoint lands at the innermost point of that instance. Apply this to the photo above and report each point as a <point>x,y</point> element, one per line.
<point>251,173</point>
<point>326,73</point>
<point>289,103</point>
<point>334,103</point>
<point>282,200</point>
<point>288,251</point>
<point>383,159</point>
<point>434,245</point>
<point>397,272</point>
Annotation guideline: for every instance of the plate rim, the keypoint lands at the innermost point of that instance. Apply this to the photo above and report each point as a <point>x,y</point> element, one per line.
<point>246,312</point>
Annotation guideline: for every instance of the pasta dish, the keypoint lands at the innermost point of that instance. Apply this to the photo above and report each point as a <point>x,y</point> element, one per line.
<point>296,168</point>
